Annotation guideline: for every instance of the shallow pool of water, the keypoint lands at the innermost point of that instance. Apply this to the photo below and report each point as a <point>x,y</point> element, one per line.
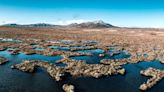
<point>95,58</point>
<point>94,51</point>
<point>9,40</point>
<point>130,82</point>
<point>40,81</point>
<point>60,48</point>
<point>18,58</point>
<point>39,49</point>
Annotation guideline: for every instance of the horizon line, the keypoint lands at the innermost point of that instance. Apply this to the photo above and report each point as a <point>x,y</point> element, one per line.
<point>77,22</point>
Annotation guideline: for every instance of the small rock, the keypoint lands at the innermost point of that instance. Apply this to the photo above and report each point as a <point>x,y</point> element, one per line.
<point>68,88</point>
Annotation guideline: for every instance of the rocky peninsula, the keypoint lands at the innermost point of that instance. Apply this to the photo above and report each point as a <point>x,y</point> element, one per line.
<point>156,75</point>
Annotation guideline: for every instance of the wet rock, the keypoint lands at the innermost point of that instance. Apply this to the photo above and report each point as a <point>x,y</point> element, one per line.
<point>68,88</point>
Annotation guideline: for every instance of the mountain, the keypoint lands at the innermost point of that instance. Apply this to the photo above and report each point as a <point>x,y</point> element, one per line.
<point>40,25</point>
<point>12,25</point>
<point>94,24</point>
<point>31,25</point>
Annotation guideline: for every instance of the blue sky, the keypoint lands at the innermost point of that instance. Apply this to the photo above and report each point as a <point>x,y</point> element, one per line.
<point>128,13</point>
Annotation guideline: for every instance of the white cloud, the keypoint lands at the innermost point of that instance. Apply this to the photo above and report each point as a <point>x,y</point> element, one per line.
<point>61,22</point>
<point>7,22</point>
<point>66,22</point>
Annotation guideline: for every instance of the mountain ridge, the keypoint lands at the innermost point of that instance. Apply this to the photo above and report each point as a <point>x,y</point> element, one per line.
<point>90,24</point>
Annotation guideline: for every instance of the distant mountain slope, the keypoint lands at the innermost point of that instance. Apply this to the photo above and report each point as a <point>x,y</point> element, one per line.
<point>30,25</point>
<point>41,25</point>
<point>94,24</point>
<point>12,25</point>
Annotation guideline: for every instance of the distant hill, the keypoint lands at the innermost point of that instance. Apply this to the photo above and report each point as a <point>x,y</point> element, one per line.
<point>13,25</point>
<point>41,25</point>
<point>30,25</point>
<point>94,24</point>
